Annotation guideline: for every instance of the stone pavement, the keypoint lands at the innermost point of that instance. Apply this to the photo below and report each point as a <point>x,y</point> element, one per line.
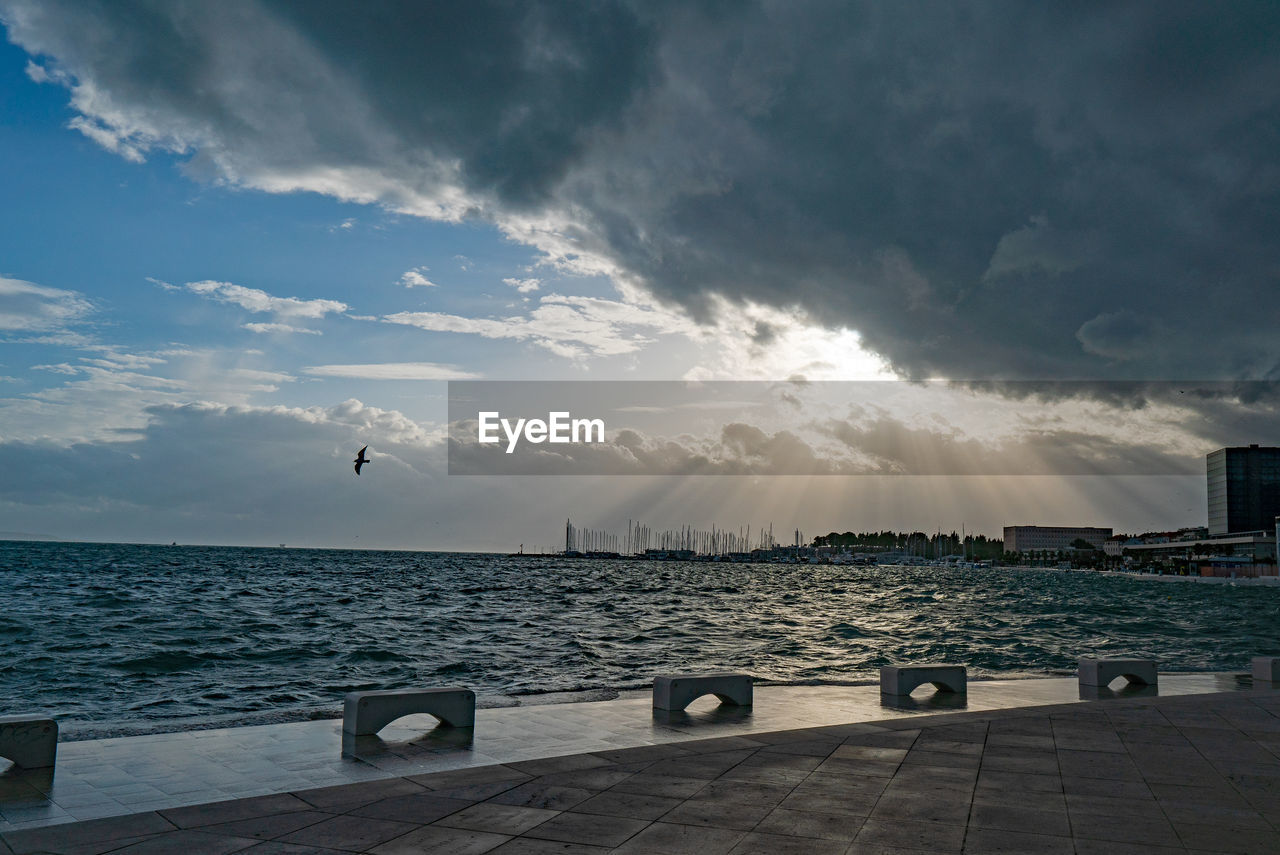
<point>1153,775</point>
<point>110,777</point>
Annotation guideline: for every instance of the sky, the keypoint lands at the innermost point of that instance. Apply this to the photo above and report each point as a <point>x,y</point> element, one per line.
<point>242,240</point>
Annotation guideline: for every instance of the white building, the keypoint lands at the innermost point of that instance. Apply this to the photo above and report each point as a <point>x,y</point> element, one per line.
<point>1025,538</point>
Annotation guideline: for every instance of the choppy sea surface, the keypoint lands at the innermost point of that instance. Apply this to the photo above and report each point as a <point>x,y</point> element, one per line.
<point>115,639</point>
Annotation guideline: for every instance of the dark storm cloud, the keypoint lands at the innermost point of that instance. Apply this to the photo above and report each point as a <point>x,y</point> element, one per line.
<point>981,190</point>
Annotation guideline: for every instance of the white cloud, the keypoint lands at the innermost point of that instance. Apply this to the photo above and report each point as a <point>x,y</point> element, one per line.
<point>108,137</point>
<point>524,286</point>
<point>38,73</point>
<point>392,371</point>
<point>415,278</point>
<point>255,300</point>
<point>26,306</point>
<point>278,328</point>
<point>106,398</point>
<point>573,327</point>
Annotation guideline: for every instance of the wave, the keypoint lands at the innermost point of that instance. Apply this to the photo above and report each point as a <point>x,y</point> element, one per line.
<point>139,637</point>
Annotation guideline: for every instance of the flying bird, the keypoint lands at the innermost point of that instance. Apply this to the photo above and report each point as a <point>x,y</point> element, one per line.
<point>361,459</point>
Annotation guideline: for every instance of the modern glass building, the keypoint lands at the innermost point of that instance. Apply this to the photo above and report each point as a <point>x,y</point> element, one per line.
<point>1244,489</point>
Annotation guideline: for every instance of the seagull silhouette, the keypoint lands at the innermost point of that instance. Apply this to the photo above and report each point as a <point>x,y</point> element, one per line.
<point>361,459</point>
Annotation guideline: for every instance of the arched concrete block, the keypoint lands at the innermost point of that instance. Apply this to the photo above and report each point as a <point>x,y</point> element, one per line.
<point>366,713</point>
<point>1100,672</point>
<point>675,692</point>
<point>31,742</point>
<point>901,680</point>
<point>1266,669</point>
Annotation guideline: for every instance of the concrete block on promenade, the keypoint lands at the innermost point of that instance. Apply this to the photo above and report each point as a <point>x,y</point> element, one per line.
<point>1100,672</point>
<point>1266,669</point>
<point>31,742</point>
<point>902,680</point>
<point>676,691</point>
<point>366,713</point>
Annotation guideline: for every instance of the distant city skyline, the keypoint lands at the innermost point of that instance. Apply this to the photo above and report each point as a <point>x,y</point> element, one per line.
<point>243,240</point>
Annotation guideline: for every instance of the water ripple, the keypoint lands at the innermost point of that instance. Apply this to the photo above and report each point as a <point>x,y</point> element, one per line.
<point>130,638</point>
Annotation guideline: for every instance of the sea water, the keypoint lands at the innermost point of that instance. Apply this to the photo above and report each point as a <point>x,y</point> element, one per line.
<point>130,638</point>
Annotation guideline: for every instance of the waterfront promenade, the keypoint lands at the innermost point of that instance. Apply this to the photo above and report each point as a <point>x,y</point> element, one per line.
<point>1025,767</point>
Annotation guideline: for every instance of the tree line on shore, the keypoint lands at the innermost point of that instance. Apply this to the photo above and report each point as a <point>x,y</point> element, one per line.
<point>975,547</point>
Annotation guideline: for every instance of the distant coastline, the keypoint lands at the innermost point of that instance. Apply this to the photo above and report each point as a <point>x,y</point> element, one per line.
<point>26,535</point>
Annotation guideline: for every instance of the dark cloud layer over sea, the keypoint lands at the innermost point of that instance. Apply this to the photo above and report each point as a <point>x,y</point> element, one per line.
<point>982,190</point>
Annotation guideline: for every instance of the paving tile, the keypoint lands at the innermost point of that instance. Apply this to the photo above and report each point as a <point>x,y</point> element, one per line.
<point>478,792</point>
<point>675,839</point>
<point>873,753</point>
<point>188,842</point>
<point>274,847</point>
<point>571,827</point>
<point>629,805</point>
<point>566,763</point>
<point>442,840</point>
<point>828,801</point>
<point>933,836</point>
<point>745,792</point>
<point>1110,847</point>
<point>936,777</point>
<point>1123,829</point>
<point>723,743</point>
<point>1014,781</point>
<point>803,823</point>
<point>586,779</point>
<point>1019,817</point>
<point>990,841</point>
<point>718,814</point>
<point>114,828</point>
<point>466,777</point>
<point>806,748</point>
<point>892,807</point>
<point>1107,788</point>
<point>642,753</point>
<point>1106,805</point>
<point>530,846</point>
<point>418,808</point>
<point>921,755</point>
<point>1021,763</point>
<point>704,765</point>
<point>890,739</point>
<point>219,812</point>
<point>356,833</point>
<point>1226,838</point>
<point>758,843</point>
<point>784,762</point>
<point>1176,795</point>
<point>268,827</point>
<point>847,766</point>
<point>543,796</point>
<point>660,785</point>
<point>1021,740</point>
<point>1224,817</point>
<point>1097,764</point>
<point>496,818</point>
<point>765,775</point>
<point>1025,799</point>
<point>349,796</point>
